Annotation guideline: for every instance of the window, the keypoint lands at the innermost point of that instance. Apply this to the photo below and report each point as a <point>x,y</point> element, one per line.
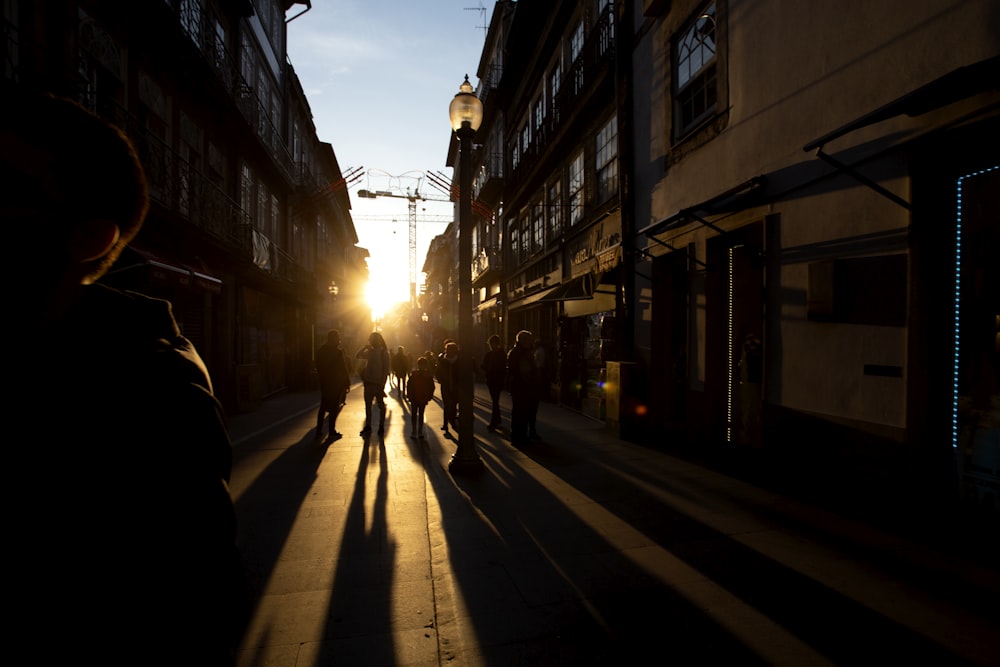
<point>218,46</point>
<point>537,227</point>
<point>515,241</point>
<point>275,221</point>
<point>555,210</point>
<point>575,51</point>
<point>191,20</point>
<point>696,71</point>
<point>248,63</point>
<point>262,219</point>
<point>606,148</point>
<point>555,80</point>
<point>606,19</point>
<point>525,237</point>
<point>246,188</point>
<point>189,166</point>
<point>575,189</point>
<point>263,98</point>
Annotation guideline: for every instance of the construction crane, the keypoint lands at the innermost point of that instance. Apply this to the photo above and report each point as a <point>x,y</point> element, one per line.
<point>412,196</point>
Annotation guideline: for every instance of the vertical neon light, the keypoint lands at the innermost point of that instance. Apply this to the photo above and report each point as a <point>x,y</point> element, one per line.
<point>956,369</point>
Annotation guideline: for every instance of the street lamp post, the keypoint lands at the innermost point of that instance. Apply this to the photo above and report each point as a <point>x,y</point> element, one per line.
<point>466,112</point>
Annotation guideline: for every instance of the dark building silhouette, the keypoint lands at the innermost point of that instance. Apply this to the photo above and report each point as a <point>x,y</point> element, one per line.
<point>249,234</point>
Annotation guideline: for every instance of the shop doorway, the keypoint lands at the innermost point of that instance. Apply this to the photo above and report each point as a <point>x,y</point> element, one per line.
<point>670,353</point>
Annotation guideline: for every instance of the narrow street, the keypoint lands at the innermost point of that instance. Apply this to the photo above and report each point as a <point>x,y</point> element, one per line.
<point>578,550</point>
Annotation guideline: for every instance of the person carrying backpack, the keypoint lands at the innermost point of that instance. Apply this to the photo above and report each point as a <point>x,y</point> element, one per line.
<point>420,391</point>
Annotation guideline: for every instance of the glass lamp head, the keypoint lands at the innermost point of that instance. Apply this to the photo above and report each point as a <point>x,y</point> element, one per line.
<point>465,106</point>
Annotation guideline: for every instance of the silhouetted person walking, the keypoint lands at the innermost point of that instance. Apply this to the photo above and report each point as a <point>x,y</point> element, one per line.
<point>421,390</point>
<point>334,375</point>
<point>447,377</point>
<point>495,368</point>
<point>400,370</point>
<point>522,383</point>
<point>374,375</point>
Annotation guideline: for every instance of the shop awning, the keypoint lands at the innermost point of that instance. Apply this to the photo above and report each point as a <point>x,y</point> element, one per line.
<point>492,302</point>
<point>162,269</point>
<point>955,86</point>
<point>581,287</point>
<point>746,194</point>
<point>531,298</point>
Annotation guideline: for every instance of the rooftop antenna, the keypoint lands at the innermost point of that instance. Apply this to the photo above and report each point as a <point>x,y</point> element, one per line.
<point>482,16</point>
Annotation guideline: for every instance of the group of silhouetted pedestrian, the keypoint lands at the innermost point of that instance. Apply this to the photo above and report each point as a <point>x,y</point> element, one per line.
<point>521,371</point>
<point>413,383</point>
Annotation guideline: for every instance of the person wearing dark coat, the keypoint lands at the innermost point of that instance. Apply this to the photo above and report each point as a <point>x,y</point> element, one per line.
<point>420,391</point>
<point>334,376</point>
<point>377,367</point>
<point>522,383</point>
<point>128,554</point>
<point>495,368</point>
<point>447,377</point>
<point>400,370</point>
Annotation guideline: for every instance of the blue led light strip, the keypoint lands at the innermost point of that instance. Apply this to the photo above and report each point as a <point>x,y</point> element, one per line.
<point>958,294</point>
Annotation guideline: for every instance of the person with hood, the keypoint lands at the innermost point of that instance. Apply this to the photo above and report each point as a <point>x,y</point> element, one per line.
<point>137,459</point>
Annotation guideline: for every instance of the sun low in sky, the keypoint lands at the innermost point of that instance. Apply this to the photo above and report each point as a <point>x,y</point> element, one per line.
<point>379,77</point>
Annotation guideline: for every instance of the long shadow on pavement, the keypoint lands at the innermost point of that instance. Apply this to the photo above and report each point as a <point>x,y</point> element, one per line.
<point>568,595</point>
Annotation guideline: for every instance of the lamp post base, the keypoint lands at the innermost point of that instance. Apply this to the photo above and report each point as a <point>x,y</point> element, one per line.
<point>465,466</point>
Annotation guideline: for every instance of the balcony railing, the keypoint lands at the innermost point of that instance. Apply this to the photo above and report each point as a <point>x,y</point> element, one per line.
<point>488,260</point>
<point>226,67</point>
<point>589,69</point>
<point>179,188</point>
<point>489,177</point>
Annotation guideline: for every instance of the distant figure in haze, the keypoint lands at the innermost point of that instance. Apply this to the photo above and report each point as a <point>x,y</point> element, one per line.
<point>495,368</point>
<point>334,383</point>
<point>420,390</point>
<point>374,375</point>
<point>129,555</point>
<point>400,369</point>
<point>447,377</point>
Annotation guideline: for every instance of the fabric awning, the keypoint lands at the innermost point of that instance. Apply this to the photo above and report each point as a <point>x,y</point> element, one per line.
<point>581,287</point>
<point>746,194</point>
<point>531,298</point>
<point>492,302</point>
<point>957,85</point>
<point>164,270</point>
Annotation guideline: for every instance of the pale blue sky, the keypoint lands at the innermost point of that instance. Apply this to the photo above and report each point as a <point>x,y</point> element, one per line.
<point>379,75</point>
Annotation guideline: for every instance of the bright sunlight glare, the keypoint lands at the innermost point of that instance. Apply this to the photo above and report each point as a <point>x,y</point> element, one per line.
<point>387,286</point>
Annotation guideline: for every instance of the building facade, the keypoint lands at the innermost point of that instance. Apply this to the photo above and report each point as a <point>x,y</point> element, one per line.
<point>816,191</point>
<point>755,227</point>
<point>249,227</point>
<point>560,220</point>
